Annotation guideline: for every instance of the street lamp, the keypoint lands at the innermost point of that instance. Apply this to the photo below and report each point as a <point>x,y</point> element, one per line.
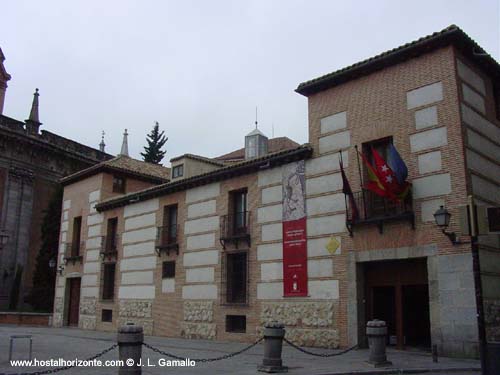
<point>442,218</point>
<point>52,265</point>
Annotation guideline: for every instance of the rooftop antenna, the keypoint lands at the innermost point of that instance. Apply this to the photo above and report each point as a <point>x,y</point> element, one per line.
<point>272,129</point>
<point>256,117</point>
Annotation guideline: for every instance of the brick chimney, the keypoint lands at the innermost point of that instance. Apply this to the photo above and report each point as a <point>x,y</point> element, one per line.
<point>4,77</point>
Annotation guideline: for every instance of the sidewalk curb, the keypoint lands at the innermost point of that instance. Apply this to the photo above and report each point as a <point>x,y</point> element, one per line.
<point>406,371</point>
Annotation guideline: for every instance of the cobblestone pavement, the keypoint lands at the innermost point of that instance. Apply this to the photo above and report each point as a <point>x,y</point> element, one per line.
<point>70,343</point>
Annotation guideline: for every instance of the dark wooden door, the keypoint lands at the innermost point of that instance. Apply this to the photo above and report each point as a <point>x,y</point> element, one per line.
<point>397,292</point>
<point>74,301</point>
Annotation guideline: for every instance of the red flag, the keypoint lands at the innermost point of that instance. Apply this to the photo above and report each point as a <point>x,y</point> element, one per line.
<point>386,176</point>
<point>374,183</point>
<point>346,189</point>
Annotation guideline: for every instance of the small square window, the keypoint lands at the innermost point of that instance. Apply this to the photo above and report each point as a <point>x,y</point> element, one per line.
<point>178,171</point>
<point>236,323</point>
<point>107,316</point>
<point>118,184</point>
<point>168,270</point>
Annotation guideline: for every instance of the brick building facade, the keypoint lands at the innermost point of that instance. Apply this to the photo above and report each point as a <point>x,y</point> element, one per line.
<point>31,164</point>
<point>201,256</point>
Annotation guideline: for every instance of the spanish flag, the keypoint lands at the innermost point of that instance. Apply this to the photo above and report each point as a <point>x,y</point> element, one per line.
<point>374,184</point>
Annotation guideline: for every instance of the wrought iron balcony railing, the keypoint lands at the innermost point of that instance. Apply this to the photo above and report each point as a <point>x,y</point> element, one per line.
<point>167,238</point>
<point>374,209</point>
<point>109,246</point>
<point>73,252</point>
<point>235,228</point>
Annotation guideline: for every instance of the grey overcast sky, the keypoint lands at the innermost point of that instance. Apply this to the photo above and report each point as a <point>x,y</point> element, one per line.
<point>201,67</point>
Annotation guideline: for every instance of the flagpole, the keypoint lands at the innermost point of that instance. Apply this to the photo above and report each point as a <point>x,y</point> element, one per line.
<point>361,181</point>
<point>342,164</point>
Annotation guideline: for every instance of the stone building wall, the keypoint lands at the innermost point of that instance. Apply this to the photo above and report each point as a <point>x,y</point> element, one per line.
<point>30,168</point>
<point>481,123</point>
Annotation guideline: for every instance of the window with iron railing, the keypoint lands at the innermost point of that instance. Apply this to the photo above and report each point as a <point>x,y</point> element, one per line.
<point>73,250</point>
<point>167,234</point>
<point>109,245</point>
<point>235,226</point>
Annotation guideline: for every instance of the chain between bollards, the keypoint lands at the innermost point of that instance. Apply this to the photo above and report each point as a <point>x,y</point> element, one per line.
<point>225,356</point>
<point>325,355</point>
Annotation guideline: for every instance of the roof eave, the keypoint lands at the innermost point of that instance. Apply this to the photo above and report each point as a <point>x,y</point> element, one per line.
<point>451,36</point>
<point>92,171</point>
<point>302,152</point>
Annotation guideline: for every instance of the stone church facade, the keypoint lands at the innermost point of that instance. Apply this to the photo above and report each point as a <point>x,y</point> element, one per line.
<point>202,256</point>
<point>31,165</point>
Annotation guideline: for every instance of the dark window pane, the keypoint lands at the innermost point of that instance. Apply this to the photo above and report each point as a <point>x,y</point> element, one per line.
<point>107,315</point>
<point>178,171</point>
<point>118,184</point>
<point>236,274</point>
<point>236,323</point>
<point>168,270</point>
<point>108,287</point>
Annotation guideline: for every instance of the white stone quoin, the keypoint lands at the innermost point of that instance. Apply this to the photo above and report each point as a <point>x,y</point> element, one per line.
<point>424,95</point>
<point>333,122</point>
<point>201,241</point>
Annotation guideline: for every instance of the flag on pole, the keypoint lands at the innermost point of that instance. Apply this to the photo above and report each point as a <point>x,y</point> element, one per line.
<point>386,176</point>
<point>346,189</point>
<point>374,184</point>
<point>397,164</point>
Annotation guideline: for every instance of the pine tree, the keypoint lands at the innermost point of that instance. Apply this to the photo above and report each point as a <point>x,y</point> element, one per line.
<point>156,140</point>
<point>42,294</point>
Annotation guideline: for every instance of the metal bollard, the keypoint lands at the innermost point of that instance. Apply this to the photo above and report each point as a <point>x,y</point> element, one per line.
<point>130,338</point>
<point>376,330</point>
<point>273,345</point>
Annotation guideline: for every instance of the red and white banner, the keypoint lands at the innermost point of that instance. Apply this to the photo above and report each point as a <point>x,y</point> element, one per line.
<point>294,230</point>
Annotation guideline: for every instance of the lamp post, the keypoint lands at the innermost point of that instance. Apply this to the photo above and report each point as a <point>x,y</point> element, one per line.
<point>442,218</point>
<point>53,264</point>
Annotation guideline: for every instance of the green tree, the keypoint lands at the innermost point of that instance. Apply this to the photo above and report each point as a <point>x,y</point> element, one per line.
<point>156,140</point>
<point>42,294</point>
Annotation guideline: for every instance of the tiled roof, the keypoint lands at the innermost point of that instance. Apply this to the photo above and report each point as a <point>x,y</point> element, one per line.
<point>451,35</point>
<point>198,158</point>
<point>274,145</point>
<point>126,165</point>
<point>237,169</point>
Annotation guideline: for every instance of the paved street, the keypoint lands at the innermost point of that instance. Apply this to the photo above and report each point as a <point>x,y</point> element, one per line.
<point>69,343</point>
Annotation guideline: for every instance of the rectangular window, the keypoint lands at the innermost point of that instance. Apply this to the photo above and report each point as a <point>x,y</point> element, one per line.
<point>169,229</point>
<point>178,171</point>
<point>236,323</point>
<point>239,211</point>
<point>118,184</point>
<point>168,270</point>
<point>381,145</point>
<point>112,235</point>
<point>77,234</point>
<point>107,315</point>
<point>236,277</point>
<point>108,277</point>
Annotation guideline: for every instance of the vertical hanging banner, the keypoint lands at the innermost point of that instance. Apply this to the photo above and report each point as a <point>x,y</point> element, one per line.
<point>294,230</point>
